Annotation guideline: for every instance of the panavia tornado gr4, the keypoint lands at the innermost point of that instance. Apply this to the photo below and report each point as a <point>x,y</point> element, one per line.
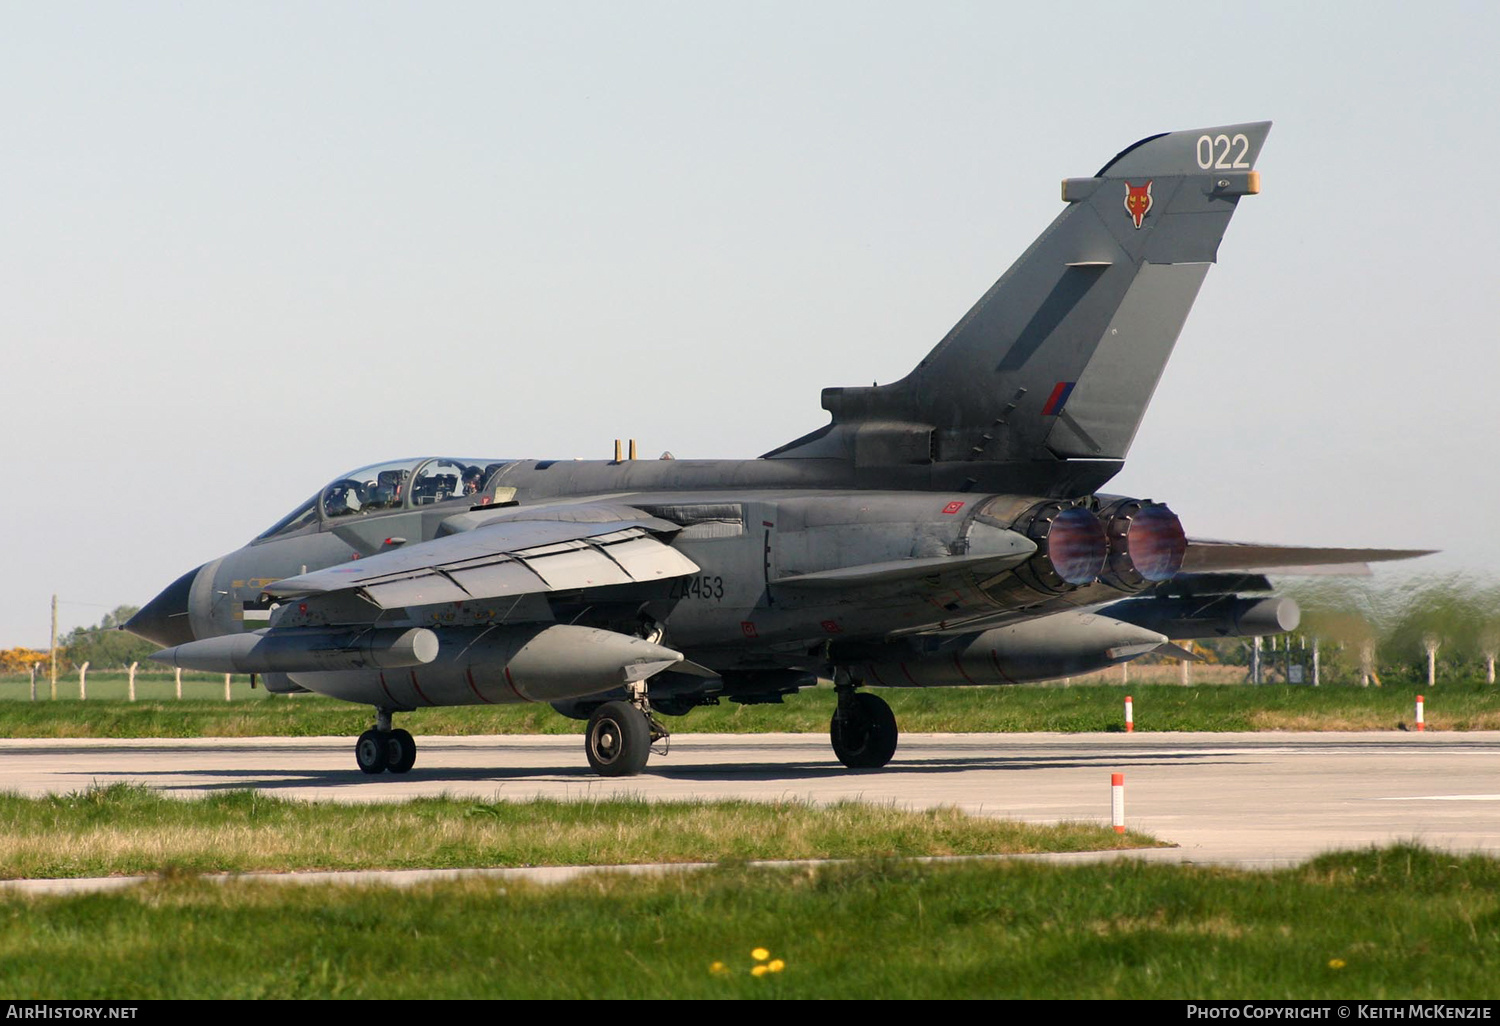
<point>945,529</point>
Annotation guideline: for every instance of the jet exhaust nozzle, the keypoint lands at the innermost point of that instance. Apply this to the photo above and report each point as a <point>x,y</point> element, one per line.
<point>1146,544</point>
<point>1071,547</point>
<point>295,650</point>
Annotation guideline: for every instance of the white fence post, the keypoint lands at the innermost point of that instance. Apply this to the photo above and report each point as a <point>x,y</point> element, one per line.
<point>83,681</point>
<point>226,687</point>
<point>179,683</point>
<point>132,680</point>
<point>35,667</point>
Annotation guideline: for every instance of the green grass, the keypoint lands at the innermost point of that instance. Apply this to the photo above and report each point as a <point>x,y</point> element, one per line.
<point>1399,923</point>
<point>1458,705</point>
<point>130,829</point>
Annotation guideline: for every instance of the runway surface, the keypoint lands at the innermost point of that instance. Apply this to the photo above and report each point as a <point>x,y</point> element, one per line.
<point>1259,800</point>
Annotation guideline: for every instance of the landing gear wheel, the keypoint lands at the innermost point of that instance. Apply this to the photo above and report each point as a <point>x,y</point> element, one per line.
<point>863,731</point>
<point>618,740</point>
<point>371,752</point>
<point>401,751</point>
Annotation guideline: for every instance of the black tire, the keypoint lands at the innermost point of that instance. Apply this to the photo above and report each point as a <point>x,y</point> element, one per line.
<point>401,751</point>
<point>863,732</point>
<point>371,752</point>
<point>618,740</point>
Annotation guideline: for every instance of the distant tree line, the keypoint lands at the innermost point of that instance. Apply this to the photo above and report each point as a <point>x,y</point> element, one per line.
<point>1364,629</point>
<point>1451,624</point>
<point>103,646</point>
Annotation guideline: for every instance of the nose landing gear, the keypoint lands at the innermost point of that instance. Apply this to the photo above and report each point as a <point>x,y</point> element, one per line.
<point>620,735</point>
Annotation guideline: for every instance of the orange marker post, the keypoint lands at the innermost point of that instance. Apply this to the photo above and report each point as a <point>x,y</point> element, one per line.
<point>1117,801</point>
<point>1421,723</point>
<point>1129,715</point>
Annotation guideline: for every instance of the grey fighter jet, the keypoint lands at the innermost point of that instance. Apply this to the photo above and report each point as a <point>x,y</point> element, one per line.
<point>945,529</point>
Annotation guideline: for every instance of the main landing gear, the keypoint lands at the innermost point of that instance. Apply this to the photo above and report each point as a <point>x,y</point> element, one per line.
<point>620,735</point>
<point>381,748</point>
<point>863,729</point>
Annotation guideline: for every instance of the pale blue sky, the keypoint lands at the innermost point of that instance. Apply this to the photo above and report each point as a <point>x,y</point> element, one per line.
<point>244,247</point>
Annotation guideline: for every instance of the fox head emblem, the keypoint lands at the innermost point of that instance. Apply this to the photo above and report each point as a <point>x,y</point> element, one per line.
<point>1138,201</point>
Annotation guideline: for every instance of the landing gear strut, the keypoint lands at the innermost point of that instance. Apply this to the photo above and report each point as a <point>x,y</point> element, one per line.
<point>863,729</point>
<point>381,748</point>
<point>620,735</point>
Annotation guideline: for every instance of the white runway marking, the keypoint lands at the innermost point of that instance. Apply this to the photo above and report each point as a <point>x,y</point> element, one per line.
<point>1443,798</point>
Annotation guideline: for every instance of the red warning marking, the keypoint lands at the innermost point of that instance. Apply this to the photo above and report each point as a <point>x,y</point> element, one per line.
<point>469,674</point>
<point>419,688</point>
<point>958,665</point>
<point>832,627</point>
<point>870,669</point>
<point>953,507</point>
<point>999,669</point>
<point>386,689</point>
<point>748,629</point>
<point>512,682</point>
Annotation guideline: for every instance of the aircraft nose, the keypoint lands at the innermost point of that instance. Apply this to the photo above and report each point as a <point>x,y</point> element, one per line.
<point>164,619</point>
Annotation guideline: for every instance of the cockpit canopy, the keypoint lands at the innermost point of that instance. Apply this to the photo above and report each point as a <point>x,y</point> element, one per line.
<point>398,484</point>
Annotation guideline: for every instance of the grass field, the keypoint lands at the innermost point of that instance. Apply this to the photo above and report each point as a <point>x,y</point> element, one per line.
<point>125,829</point>
<point>1458,705</point>
<point>1399,923</point>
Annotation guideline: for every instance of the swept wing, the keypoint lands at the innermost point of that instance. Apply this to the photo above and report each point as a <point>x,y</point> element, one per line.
<point>526,552</point>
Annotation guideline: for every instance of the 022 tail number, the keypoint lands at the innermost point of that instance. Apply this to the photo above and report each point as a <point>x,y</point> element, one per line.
<point>1211,156</point>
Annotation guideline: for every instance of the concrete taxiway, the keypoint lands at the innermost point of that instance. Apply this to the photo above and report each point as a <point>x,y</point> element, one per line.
<point>1256,800</point>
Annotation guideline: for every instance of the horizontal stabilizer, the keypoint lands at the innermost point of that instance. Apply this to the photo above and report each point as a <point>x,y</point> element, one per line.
<point>1211,556</point>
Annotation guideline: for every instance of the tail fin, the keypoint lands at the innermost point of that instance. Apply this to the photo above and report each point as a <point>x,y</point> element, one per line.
<point>1059,359</point>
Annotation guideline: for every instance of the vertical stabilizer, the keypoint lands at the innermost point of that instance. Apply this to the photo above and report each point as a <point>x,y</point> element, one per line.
<point>1059,359</point>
